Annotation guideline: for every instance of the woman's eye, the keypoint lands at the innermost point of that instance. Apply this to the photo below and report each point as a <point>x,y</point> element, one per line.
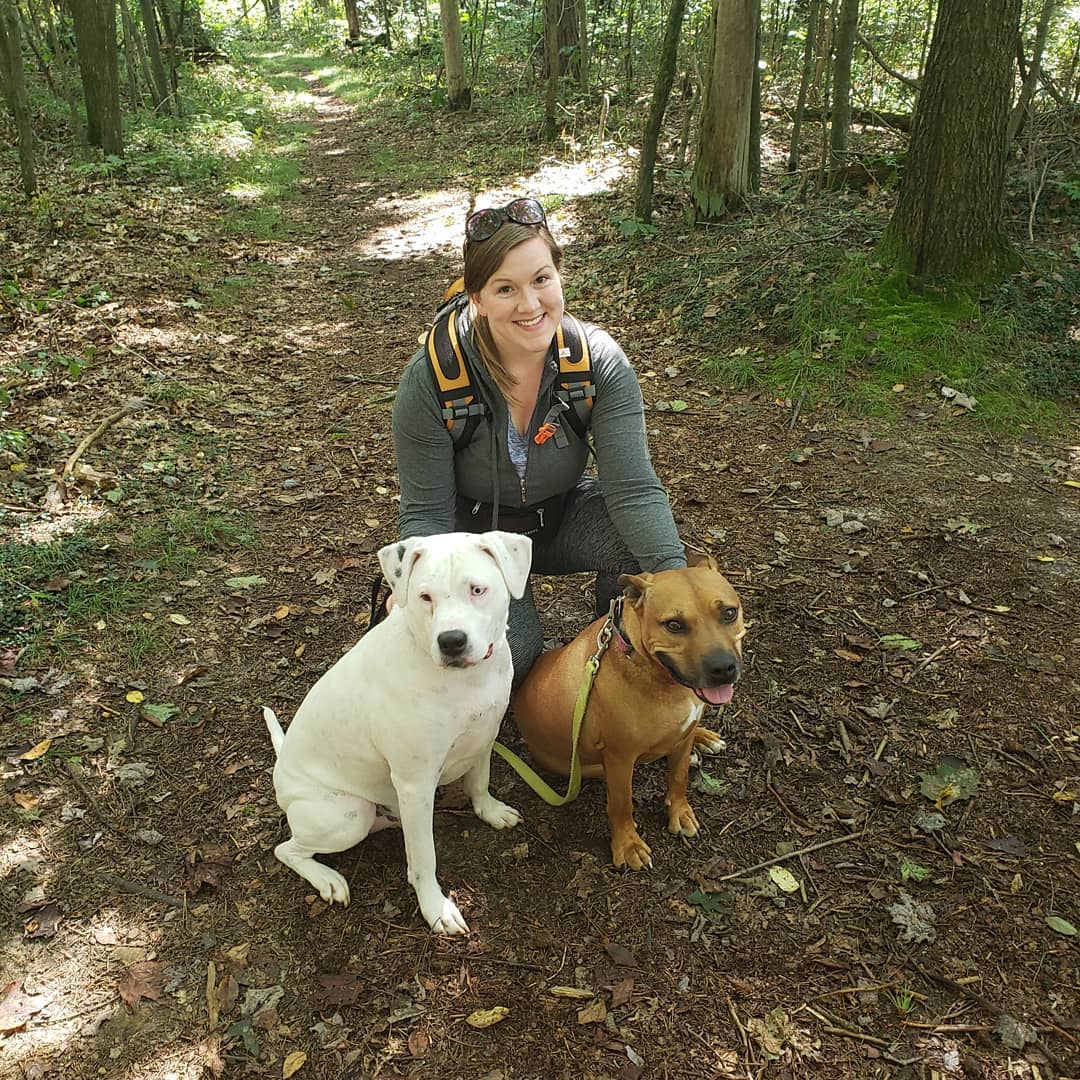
<point>729,614</point>
<point>479,590</point>
<point>676,626</point>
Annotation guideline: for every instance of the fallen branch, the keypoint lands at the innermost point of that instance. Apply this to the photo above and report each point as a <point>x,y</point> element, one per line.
<point>790,855</point>
<point>58,490</point>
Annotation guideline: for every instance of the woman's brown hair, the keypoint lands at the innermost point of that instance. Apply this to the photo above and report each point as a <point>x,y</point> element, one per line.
<point>482,259</point>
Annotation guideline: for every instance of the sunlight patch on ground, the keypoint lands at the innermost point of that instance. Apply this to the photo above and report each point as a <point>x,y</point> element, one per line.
<point>435,220</point>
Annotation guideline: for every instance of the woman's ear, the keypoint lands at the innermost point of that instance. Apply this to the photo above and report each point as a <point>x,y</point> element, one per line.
<point>475,307</point>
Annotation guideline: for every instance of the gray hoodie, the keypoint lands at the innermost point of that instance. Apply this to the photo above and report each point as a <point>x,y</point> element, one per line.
<point>432,474</point>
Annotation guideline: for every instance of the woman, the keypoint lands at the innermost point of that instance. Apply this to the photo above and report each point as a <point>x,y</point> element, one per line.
<point>512,474</point>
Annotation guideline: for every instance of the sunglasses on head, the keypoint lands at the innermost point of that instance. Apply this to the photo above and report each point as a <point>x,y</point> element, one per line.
<point>484,224</point>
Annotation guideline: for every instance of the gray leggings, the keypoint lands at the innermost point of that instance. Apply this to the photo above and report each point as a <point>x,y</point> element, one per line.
<point>586,540</point>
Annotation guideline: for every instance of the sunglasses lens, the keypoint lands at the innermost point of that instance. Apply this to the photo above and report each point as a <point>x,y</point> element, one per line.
<point>526,212</point>
<point>482,225</point>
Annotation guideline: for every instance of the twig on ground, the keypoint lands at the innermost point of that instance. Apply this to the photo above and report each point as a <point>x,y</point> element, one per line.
<point>789,855</point>
<point>143,890</point>
<point>75,773</point>
<point>990,1006</point>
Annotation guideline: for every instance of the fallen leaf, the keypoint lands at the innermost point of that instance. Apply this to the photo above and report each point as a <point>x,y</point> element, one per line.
<point>37,751</point>
<point>338,990</point>
<point>44,922</point>
<point>293,1063</point>
<point>419,1043</point>
<point>621,992</point>
<point>571,992</point>
<point>16,1007</point>
<point>1060,925</point>
<point>485,1018</point>
<point>248,582</point>
<point>593,1013</point>
<point>783,879</point>
<point>144,980</point>
<point>620,954</point>
<point>135,697</point>
<point>179,620</point>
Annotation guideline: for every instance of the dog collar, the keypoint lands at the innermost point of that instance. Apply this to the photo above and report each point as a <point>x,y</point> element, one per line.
<point>622,642</point>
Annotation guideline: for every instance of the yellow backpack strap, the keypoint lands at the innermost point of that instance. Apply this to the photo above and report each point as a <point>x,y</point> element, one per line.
<point>577,389</point>
<point>461,406</point>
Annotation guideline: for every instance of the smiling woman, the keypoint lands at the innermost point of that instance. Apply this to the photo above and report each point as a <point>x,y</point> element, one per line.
<point>520,464</point>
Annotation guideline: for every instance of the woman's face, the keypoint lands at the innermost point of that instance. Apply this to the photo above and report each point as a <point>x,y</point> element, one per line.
<point>523,302</point>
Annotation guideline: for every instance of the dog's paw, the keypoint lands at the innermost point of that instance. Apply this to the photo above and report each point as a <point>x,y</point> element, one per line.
<point>497,814</point>
<point>446,918</point>
<point>708,742</point>
<point>682,821</point>
<point>333,888</point>
<point>632,852</point>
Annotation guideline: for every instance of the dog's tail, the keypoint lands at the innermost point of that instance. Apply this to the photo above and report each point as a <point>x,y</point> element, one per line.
<point>277,736</point>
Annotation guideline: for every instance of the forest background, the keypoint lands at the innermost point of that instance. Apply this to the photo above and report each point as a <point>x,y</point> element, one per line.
<point>840,242</point>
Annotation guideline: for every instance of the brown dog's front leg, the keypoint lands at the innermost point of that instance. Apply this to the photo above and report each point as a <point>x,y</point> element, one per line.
<point>627,847</point>
<point>681,818</point>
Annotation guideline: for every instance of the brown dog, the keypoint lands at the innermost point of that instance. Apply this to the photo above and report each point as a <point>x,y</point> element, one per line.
<point>676,646</point>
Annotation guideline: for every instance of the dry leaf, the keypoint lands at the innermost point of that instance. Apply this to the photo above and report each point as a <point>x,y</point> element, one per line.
<point>621,992</point>
<point>484,1018</point>
<point>593,1013</point>
<point>36,751</point>
<point>620,954</point>
<point>143,980</point>
<point>17,1007</point>
<point>419,1043</point>
<point>571,992</point>
<point>293,1063</point>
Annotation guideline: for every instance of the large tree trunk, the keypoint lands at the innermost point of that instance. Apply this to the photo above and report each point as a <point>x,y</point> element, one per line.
<point>14,83</point>
<point>949,216</point>
<point>722,169</point>
<point>665,76</point>
<point>95,41</point>
<point>352,17</point>
<point>846,29</point>
<point>458,91</point>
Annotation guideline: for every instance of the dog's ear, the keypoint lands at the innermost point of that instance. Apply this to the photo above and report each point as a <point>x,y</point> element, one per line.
<point>699,558</point>
<point>397,562</point>
<point>512,553</point>
<point>635,586</point>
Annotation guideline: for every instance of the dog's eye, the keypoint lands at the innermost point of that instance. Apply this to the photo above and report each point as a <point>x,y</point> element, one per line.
<point>676,626</point>
<point>729,614</point>
<point>479,590</point>
<point>426,597</point>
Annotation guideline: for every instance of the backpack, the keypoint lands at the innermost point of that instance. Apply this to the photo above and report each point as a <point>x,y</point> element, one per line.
<point>462,406</point>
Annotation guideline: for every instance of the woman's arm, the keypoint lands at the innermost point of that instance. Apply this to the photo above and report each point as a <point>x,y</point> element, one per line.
<point>425,455</point>
<point>635,498</point>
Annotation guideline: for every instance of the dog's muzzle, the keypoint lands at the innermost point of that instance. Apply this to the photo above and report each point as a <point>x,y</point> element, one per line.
<point>714,681</point>
<point>454,649</point>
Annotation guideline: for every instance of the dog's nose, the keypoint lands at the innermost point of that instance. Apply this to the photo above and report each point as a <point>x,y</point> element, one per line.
<point>721,667</point>
<point>452,643</point>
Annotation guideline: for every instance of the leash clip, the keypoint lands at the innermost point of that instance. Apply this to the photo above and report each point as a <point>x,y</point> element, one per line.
<point>544,432</point>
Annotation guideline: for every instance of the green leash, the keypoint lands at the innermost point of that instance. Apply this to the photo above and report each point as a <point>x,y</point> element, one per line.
<point>528,774</point>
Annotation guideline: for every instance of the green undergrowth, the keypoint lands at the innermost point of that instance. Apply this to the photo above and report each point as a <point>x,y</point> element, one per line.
<point>103,579</point>
<point>861,337</point>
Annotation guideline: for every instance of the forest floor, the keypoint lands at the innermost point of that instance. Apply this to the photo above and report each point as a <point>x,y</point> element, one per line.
<point>906,733</point>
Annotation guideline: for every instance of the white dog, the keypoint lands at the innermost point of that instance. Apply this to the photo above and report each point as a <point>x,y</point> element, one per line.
<point>415,704</point>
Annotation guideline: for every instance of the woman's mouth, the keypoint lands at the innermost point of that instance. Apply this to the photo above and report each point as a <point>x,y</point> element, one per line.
<point>528,324</point>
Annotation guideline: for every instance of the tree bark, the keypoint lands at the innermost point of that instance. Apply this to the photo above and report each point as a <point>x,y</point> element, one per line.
<point>949,218</point>
<point>846,28</point>
<point>583,44</point>
<point>665,77</point>
<point>1031,80</point>
<point>804,84</point>
<point>722,170</point>
<point>131,56</point>
<point>458,91</point>
<point>14,82</point>
<point>352,17</point>
<point>159,77</point>
<point>95,42</point>
<point>551,63</point>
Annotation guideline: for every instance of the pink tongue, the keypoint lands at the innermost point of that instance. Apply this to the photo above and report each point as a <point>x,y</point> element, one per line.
<point>717,695</point>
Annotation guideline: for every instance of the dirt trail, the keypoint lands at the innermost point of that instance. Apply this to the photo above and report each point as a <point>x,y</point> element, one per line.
<point>930,630</point>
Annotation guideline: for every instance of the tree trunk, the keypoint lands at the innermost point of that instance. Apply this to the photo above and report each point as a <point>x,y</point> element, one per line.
<point>846,28</point>
<point>665,76</point>
<point>352,17</point>
<point>159,77</point>
<point>948,220</point>
<point>95,42</point>
<point>722,167</point>
<point>583,45</point>
<point>804,84</point>
<point>569,40</point>
<point>1031,80</point>
<point>131,56</point>
<point>458,91</point>
<point>628,59</point>
<point>551,64</point>
<point>14,82</point>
